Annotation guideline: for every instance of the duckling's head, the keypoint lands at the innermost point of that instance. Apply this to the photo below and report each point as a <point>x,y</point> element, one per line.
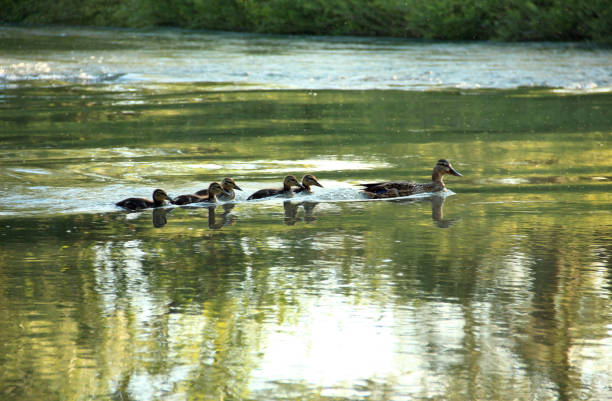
<point>309,180</point>
<point>290,181</point>
<point>159,195</point>
<point>441,168</point>
<point>229,183</point>
<point>215,188</point>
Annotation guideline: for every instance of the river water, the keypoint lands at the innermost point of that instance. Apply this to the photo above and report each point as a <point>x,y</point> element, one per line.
<point>499,288</point>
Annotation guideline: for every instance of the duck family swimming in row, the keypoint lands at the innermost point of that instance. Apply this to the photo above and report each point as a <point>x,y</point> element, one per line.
<point>225,190</point>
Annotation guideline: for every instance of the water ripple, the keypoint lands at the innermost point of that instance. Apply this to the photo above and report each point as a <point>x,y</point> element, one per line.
<point>229,61</point>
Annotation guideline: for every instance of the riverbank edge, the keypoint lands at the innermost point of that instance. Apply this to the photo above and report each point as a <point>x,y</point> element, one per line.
<point>513,21</point>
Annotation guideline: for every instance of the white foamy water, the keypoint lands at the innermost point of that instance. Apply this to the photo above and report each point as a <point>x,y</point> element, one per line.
<point>247,61</point>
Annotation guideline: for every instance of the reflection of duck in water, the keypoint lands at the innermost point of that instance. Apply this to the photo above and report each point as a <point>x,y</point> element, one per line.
<point>392,189</point>
<point>437,208</point>
<point>159,217</point>
<point>307,181</point>
<point>159,196</point>
<point>288,182</point>
<point>309,211</point>
<point>215,221</point>
<point>437,212</point>
<point>214,189</point>
<point>228,194</point>
<point>291,211</point>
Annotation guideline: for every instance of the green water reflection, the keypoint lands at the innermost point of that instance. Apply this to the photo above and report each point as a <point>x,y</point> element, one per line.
<point>501,291</point>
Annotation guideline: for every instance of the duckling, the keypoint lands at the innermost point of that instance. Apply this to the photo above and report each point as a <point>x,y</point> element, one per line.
<point>228,194</point>
<point>392,189</point>
<point>288,182</point>
<point>213,190</point>
<point>159,196</point>
<point>307,181</point>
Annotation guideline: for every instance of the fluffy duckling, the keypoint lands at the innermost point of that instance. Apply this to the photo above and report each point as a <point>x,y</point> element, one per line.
<point>392,189</point>
<point>288,182</point>
<point>214,189</point>
<point>307,181</point>
<point>159,196</point>
<point>228,194</point>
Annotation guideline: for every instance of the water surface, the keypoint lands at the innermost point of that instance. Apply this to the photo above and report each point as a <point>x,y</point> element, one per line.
<point>500,288</point>
<point>229,61</point>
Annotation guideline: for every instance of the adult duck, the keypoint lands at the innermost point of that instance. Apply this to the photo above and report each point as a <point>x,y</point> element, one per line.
<point>307,181</point>
<point>213,190</point>
<point>159,196</point>
<point>392,189</point>
<point>288,182</point>
<point>228,194</point>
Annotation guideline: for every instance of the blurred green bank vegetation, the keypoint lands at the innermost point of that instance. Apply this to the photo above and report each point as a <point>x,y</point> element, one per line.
<point>510,20</point>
